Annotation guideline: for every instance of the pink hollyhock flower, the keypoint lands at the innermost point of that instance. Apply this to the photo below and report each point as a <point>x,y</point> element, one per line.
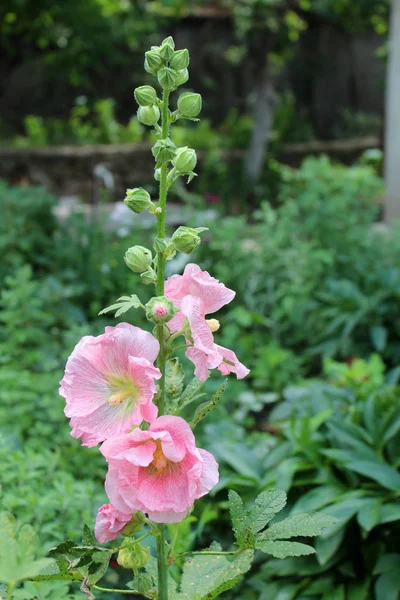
<point>110,523</point>
<point>159,471</point>
<point>195,282</point>
<point>109,384</point>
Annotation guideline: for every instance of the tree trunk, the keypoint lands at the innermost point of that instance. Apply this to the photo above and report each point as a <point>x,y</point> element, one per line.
<point>392,141</point>
<point>263,117</point>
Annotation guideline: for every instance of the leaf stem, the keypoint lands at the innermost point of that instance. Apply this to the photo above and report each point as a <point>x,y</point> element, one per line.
<point>112,590</point>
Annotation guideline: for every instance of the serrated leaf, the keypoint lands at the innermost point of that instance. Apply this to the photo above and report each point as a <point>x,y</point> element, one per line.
<point>190,393</point>
<point>122,305</point>
<point>203,410</point>
<point>88,538</point>
<point>281,549</point>
<point>300,525</point>
<point>265,507</point>
<point>203,575</point>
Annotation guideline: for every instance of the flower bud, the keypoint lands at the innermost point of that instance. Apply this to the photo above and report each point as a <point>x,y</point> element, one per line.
<point>185,159</point>
<point>143,583</point>
<point>148,115</point>
<point>145,95</point>
<point>148,277</point>
<point>133,556</point>
<point>189,105</point>
<point>138,200</point>
<point>167,78</point>
<point>135,524</point>
<point>138,259</point>
<point>165,332</point>
<point>186,239</point>
<point>182,77</point>
<point>164,150</point>
<point>180,60</point>
<point>167,49</point>
<point>160,245</point>
<point>157,174</point>
<point>160,310</point>
<point>152,61</point>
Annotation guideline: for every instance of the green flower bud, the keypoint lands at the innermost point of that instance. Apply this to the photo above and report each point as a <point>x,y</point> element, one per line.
<point>167,78</point>
<point>138,259</point>
<point>133,556</point>
<point>153,61</point>
<point>180,60</point>
<point>182,77</point>
<point>142,583</point>
<point>148,277</point>
<point>186,239</point>
<point>148,115</point>
<point>138,200</point>
<point>164,150</point>
<point>135,524</point>
<point>185,160</point>
<point>160,310</point>
<point>157,174</point>
<point>145,95</point>
<point>189,105</point>
<point>167,49</point>
<point>165,331</point>
<point>160,245</point>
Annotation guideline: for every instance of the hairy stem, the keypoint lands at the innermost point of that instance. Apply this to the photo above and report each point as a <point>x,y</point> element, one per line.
<point>162,203</point>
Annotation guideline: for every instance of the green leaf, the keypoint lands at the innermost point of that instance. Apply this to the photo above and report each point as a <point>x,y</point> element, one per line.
<point>317,498</point>
<point>191,393</point>
<point>247,524</point>
<point>387,586</point>
<point>379,471</point>
<point>17,556</point>
<point>88,538</point>
<point>174,377</point>
<point>203,575</point>
<point>304,525</point>
<point>327,546</point>
<point>284,549</point>
<point>369,516</point>
<point>203,410</point>
<point>390,512</point>
<point>337,593</point>
<point>122,305</point>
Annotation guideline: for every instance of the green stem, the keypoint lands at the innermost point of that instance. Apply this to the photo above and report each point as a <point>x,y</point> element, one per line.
<point>11,587</point>
<point>162,203</point>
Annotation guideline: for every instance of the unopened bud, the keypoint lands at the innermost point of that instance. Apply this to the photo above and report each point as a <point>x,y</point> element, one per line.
<point>160,310</point>
<point>165,332</point>
<point>145,95</point>
<point>180,60</point>
<point>186,239</point>
<point>153,61</point>
<point>185,160</point>
<point>148,115</point>
<point>133,556</point>
<point>182,77</point>
<point>148,277</point>
<point>160,245</point>
<point>167,49</point>
<point>157,175</point>
<point>138,259</point>
<point>164,150</point>
<point>138,200</point>
<point>213,324</point>
<point>189,105</point>
<point>167,78</point>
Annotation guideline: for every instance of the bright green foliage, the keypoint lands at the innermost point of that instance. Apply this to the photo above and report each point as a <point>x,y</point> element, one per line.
<point>204,576</point>
<point>304,525</point>
<point>17,552</point>
<point>122,305</point>
<point>284,549</point>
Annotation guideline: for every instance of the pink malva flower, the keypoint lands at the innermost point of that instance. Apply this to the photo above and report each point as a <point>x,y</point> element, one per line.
<point>109,384</point>
<point>159,471</point>
<point>197,294</point>
<point>110,523</point>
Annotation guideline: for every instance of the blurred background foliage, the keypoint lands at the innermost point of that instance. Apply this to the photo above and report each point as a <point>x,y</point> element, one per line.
<point>317,275</point>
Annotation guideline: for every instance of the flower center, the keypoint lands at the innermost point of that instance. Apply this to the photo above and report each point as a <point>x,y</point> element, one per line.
<point>121,388</point>
<point>160,462</point>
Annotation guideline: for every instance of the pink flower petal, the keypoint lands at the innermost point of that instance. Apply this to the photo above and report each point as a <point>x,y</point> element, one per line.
<point>110,522</point>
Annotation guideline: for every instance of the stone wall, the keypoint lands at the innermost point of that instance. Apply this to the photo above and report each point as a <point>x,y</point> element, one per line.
<point>83,170</point>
